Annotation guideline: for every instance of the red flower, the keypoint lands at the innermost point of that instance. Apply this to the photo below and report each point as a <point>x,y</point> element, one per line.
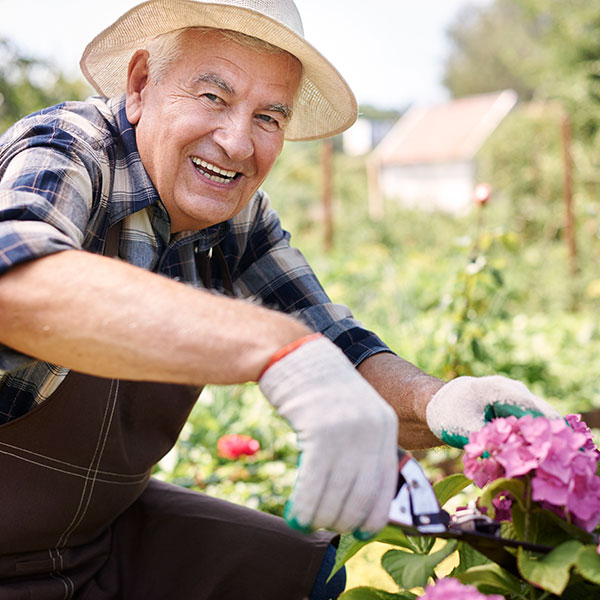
<point>482,193</point>
<point>232,446</point>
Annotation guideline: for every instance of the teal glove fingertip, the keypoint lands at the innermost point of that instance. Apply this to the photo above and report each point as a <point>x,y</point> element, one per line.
<point>454,439</point>
<point>502,410</point>
<point>363,536</point>
<point>293,521</point>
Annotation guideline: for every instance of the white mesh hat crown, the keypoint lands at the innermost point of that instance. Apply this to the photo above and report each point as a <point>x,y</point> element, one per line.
<point>325,105</point>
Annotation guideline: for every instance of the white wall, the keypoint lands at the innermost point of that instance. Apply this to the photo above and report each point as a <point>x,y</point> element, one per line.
<point>447,187</point>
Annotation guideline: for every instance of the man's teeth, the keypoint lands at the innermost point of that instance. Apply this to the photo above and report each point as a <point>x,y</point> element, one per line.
<point>212,172</point>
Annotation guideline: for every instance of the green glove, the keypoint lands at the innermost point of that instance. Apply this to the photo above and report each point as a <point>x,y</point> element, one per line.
<point>466,404</point>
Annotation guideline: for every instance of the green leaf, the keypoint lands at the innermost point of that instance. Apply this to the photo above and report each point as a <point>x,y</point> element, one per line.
<point>508,530</point>
<point>518,516</point>
<point>574,532</point>
<point>491,578</point>
<point>421,544</point>
<point>450,486</point>
<point>394,536</point>
<point>588,564</point>
<point>478,351</point>
<point>349,545</point>
<point>550,572</point>
<point>580,590</point>
<point>414,570</point>
<point>544,527</point>
<point>370,593</point>
<point>468,557</point>
<point>497,275</point>
<point>347,548</point>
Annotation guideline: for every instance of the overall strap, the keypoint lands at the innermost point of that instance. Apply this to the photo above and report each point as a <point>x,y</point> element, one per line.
<point>113,236</point>
<point>203,266</point>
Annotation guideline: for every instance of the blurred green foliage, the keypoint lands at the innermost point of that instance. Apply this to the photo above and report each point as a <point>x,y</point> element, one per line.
<point>476,294</point>
<point>263,480</point>
<point>28,84</point>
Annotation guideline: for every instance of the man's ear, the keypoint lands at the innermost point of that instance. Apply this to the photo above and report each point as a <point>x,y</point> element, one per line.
<point>137,80</point>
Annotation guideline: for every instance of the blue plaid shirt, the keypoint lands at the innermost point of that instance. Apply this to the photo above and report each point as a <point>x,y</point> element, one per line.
<point>70,172</point>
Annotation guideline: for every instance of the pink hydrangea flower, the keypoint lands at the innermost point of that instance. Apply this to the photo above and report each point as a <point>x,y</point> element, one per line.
<point>482,471</point>
<point>561,460</point>
<point>583,500</point>
<point>452,589</point>
<point>537,433</point>
<point>232,446</point>
<point>578,425</point>
<point>489,442</point>
<point>547,488</point>
<point>517,459</point>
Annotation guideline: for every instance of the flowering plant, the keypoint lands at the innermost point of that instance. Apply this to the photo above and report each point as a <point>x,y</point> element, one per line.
<point>234,445</point>
<point>549,462</point>
<point>540,479</point>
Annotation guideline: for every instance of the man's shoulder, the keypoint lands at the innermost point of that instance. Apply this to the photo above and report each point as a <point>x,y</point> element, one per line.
<point>91,123</point>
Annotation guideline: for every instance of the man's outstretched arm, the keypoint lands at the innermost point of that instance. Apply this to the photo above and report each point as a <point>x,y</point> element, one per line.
<point>431,411</point>
<point>408,390</point>
<point>104,317</point>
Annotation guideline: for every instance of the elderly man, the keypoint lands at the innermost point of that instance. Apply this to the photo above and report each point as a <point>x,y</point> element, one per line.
<point>102,359</point>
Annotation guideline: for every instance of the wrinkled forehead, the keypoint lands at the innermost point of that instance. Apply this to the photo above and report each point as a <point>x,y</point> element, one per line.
<point>192,35</point>
<point>202,51</point>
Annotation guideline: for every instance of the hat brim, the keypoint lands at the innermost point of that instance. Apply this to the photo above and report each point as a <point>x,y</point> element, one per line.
<point>325,104</point>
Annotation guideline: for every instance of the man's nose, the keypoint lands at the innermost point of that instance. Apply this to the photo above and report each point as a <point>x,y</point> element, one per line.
<point>234,135</point>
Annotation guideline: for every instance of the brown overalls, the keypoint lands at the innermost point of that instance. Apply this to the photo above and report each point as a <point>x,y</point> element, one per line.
<point>81,518</point>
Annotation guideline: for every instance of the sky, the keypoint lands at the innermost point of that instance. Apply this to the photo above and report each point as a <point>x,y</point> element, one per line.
<point>391,52</point>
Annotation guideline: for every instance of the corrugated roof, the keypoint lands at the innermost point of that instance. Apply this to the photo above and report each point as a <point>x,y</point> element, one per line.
<point>445,132</point>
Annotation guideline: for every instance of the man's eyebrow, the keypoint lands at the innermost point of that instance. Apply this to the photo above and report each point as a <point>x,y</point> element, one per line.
<point>216,80</point>
<point>284,109</point>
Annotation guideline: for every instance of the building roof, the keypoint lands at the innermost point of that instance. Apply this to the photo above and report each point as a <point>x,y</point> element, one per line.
<point>448,132</point>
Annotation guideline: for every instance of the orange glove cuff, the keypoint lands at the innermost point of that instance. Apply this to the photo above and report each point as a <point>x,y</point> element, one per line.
<point>288,349</point>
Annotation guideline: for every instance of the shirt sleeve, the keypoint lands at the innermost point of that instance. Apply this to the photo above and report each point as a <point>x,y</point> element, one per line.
<point>45,200</point>
<point>278,275</point>
<point>45,195</point>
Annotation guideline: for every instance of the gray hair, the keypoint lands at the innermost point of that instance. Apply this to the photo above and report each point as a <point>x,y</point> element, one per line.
<point>165,49</point>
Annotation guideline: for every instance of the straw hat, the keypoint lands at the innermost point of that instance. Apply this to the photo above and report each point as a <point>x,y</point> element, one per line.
<point>325,105</point>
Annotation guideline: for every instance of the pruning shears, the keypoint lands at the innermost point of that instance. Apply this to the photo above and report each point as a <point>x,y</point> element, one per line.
<point>416,511</point>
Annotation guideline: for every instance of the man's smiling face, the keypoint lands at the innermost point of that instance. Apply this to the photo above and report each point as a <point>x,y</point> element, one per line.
<point>209,131</point>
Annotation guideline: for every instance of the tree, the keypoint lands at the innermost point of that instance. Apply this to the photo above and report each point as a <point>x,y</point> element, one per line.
<point>493,48</point>
<point>29,84</point>
<point>542,48</point>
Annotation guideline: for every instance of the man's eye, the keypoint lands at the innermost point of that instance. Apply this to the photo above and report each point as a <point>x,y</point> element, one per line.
<point>268,122</point>
<point>213,98</point>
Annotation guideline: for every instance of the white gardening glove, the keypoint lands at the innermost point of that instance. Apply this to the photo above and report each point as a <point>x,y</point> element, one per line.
<point>347,436</point>
<point>466,404</point>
